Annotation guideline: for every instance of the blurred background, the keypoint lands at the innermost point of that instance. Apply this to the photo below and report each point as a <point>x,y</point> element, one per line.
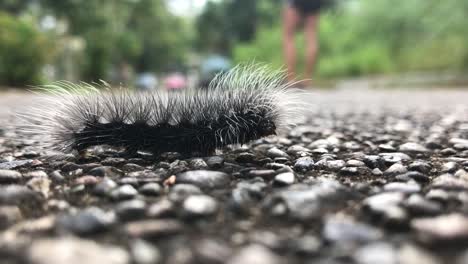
<point>177,43</point>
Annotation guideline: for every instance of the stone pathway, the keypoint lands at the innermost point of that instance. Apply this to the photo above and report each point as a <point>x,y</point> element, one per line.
<point>369,176</point>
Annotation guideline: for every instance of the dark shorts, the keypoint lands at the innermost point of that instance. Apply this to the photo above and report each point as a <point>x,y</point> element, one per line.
<point>307,7</point>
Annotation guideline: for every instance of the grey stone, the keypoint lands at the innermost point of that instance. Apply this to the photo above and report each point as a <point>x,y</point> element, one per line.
<point>381,201</point>
<point>441,229</point>
<point>152,188</point>
<point>396,169</point>
<point>56,176</point>
<point>87,222</point>
<point>394,157</point>
<point>459,143</point>
<point>344,230</point>
<point>18,195</point>
<point>198,164</point>
<point>151,229</point>
<point>412,254</point>
<point>200,205</point>
<point>245,157</point>
<point>412,147</point>
<point>333,165</point>
<point>40,185</point>
<point>36,174</point>
<point>386,147</point>
<point>266,238</point>
<point>283,179</point>
<point>131,210</point>
<point>247,194</point>
<point>305,202</point>
<point>321,143</point>
<point>105,171</point>
<point>298,150</point>
<point>409,187</point>
<point>255,254</point>
<point>308,245</point>
<point>161,208</point>
<point>418,205</point>
<point>9,215</point>
<point>387,207</point>
<point>215,162</point>
<point>9,176</point>
<point>448,152</point>
<point>277,166</point>
<point>352,145</point>
<point>320,151</point>
<point>437,195</point>
<point>15,164</point>
<point>379,252</point>
<point>354,170</point>
<point>145,253</point>
<point>462,174</point>
<point>75,251</point>
<point>131,167</point>
<point>420,166</point>
<point>266,174</point>
<point>211,251</point>
<point>205,179</point>
<point>449,167</point>
<point>111,161</point>
<point>304,164</point>
<point>124,192</point>
<point>276,153</point>
<point>448,181</point>
<point>69,167</point>
<point>180,192</point>
<point>373,161</point>
<point>413,175</point>
<point>355,163</point>
<point>105,187</point>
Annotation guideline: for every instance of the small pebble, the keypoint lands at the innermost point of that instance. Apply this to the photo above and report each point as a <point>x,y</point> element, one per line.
<point>151,189</point>
<point>205,179</point>
<point>284,179</point>
<point>200,205</point>
<point>124,192</point>
<point>9,176</point>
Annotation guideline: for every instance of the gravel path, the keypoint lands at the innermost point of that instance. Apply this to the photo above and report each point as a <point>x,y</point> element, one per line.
<point>369,176</point>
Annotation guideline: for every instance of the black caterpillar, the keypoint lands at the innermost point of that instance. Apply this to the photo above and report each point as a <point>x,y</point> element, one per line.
<point>244,104</point>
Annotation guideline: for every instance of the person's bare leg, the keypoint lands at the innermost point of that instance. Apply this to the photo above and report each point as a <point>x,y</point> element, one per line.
<point>290,20</point>
<point>310,29</point>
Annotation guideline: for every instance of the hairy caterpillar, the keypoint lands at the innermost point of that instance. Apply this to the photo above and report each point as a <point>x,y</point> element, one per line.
<point>244,104</point>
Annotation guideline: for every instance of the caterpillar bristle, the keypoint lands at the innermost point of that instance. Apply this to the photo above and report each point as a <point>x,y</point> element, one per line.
<point>244,104</point>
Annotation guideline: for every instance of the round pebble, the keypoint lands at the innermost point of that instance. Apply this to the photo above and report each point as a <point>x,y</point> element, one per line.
<point>200,205</point>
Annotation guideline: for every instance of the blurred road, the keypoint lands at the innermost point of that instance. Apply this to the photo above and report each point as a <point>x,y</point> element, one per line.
<point>336,100</point>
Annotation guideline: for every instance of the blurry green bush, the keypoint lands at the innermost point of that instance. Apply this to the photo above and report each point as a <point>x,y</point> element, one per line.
<point>366,37</point>
<point>23,51</point>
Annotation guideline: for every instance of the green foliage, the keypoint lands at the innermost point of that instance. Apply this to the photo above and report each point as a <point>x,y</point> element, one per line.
<point>212,29</point>
<point>222,24</point>
<point>356,37</point>
<point>13,6</point>
<point>163,36</point>
<point>141,32</point>
<point>23,51</point>
<point>361,37</point>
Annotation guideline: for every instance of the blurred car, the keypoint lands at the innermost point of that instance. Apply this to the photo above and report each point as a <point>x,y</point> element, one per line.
<point>175,81</point>
<point>212,66</point>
